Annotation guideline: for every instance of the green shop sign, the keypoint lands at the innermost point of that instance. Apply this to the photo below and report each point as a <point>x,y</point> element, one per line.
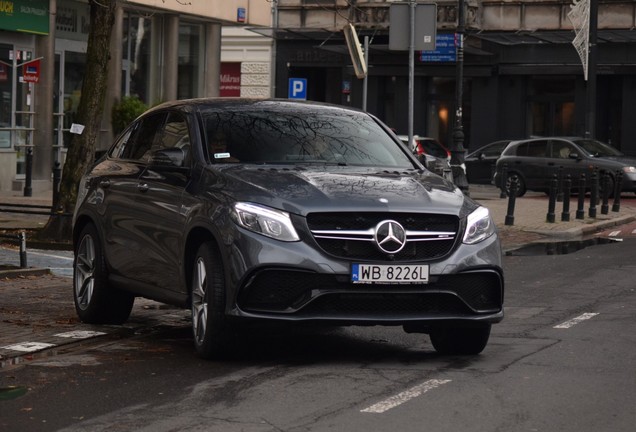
<point>29,16</point>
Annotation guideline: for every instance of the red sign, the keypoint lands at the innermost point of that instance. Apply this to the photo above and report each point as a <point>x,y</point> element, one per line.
<point>31,71</point>
<point>230,80</point>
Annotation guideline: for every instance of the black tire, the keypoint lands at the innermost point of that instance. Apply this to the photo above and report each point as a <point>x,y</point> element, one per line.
<point>460,340</point>
<point>96,302</point>
<point>210,329</point>
<point>521,185</point>
<point>611,184</point>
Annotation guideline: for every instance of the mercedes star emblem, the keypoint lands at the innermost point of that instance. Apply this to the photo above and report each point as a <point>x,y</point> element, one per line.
<point>390,236</point>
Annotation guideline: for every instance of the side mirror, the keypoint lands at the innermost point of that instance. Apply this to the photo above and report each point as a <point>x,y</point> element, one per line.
<point>169,158</point>
<point>574,156</point>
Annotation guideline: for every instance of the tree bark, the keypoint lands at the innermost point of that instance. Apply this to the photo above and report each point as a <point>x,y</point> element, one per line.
<point>81,150</point>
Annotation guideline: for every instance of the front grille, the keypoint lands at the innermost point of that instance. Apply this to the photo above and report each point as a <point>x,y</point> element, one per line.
<point>351,235</point>
<point>312,295</point>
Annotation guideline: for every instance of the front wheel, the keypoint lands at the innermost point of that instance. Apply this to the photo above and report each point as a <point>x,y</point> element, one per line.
<point>460,340</point>
<point>96,302</point>
<point>209,324</point>
<point>521,186</point>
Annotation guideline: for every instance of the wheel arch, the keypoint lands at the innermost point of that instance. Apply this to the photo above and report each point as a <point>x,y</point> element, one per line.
<point>196,237</point>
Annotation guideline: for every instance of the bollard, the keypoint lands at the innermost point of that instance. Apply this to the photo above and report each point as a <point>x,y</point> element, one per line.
<point>560,184</point>
<point>28,191</point>
<point>618,187</point>
<point>23,256</point>
<point>510,215</point>
<point>554,184</point>
<point>567,185</point>
<point>580,209</point>
<point>593,193</point>
<point>605,182</point>
<point>504,180</point>
<point>57,178</point>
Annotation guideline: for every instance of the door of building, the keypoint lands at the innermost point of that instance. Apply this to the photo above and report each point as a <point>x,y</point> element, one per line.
<point>70,67</point>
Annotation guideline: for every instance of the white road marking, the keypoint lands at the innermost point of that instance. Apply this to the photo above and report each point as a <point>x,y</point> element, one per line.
<point>614,233</point>
<point>80,334</point>
<point>32,252</point>
<point>28,346</point>
<point>575,321</point>
<point>405,396</point>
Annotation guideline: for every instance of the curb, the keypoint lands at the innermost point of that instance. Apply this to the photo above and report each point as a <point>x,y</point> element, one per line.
<point>21,273</point>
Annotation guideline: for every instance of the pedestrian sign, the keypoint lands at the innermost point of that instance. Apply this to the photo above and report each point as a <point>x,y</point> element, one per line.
<point>297,88</point>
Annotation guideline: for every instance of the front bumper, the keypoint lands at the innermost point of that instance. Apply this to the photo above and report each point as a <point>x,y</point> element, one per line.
<point>295,282</point>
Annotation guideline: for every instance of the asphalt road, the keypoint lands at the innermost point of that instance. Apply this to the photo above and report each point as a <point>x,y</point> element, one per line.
<point>563,359</point>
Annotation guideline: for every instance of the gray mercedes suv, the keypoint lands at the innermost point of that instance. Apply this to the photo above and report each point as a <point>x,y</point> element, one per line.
<point>246,211</point>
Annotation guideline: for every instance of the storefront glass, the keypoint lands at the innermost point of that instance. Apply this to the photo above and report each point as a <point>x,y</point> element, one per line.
<point>551,110</point>
<point>6,91</point>
<point>136,56</point>
<point>190,55</point>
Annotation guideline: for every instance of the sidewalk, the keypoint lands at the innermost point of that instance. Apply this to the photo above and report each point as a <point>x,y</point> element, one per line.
<point>37,315</point>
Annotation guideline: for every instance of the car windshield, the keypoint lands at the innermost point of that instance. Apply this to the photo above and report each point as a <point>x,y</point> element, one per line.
<point>299,134</point>
<point>597,148</point>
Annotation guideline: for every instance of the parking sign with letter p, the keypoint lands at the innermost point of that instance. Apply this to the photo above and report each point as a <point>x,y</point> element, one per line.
<point>297,88</point>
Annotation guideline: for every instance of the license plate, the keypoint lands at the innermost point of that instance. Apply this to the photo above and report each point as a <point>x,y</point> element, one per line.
<point>389,273</point>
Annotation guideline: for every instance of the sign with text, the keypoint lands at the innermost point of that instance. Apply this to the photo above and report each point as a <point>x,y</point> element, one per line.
<point>28,16</point>
<point>445,49</point>
<point>31,71</point>
<point>230,80</point>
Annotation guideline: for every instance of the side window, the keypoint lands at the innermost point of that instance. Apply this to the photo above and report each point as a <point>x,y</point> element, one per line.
<point>561,150</point>
<point>537,149</point>
<point>173,135</point>
<point>122,143</point>
<point>141,142</point>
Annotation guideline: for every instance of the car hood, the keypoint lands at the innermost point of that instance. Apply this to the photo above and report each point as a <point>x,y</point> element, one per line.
<point>301,190</point>
<point>619,160</point>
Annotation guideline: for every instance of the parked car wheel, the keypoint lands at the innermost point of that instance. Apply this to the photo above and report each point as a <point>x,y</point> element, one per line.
<point>521,186</point>
<point>460,340</point>
<point>96,302</point>
<point>209,326</point>
<point>610,187</point>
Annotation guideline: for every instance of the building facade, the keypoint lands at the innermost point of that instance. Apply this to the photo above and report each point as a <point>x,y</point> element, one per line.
<point>522,74</point>
<point>160,50</point>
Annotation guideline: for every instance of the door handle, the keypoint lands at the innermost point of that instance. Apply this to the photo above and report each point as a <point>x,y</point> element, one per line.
<point>142,187</point>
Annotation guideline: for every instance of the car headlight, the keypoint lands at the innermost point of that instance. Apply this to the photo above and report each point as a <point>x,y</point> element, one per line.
<point>629,170</point>
<point>479,226</point>
<point>266,221</point>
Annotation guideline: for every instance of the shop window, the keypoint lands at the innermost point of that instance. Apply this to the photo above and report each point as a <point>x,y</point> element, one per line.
<point>136,56</point>
<point>190,59</point>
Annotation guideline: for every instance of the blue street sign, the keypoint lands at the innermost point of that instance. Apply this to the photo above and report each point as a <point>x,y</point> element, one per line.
<point>297,88</point>
<point>445,49</point>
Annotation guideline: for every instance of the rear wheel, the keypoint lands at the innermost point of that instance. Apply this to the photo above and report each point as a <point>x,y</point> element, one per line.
<point>96,302</point>
<point>460,340</point>
<point>209,323</point>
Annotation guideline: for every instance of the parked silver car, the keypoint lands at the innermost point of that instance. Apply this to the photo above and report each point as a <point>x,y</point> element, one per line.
<point>534,162</point>
<point>248,211</point>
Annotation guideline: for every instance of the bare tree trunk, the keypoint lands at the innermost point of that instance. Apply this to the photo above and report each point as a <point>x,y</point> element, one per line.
<point>81,151</point>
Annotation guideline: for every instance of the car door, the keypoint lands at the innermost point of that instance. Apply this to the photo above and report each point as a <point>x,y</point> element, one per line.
<point>562,164</point>
<point>480,165</point>
<point>532,163</point>
<point>118,178</point>
<point>160,221</point>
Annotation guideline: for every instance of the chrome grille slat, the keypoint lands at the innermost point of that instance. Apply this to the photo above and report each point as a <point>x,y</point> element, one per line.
<point>335,234</point>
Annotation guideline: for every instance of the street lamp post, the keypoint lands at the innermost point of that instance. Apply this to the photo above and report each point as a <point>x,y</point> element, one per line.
<point>458,166</point>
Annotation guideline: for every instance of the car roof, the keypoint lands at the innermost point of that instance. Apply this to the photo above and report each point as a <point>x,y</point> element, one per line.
<point>255,103</point>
